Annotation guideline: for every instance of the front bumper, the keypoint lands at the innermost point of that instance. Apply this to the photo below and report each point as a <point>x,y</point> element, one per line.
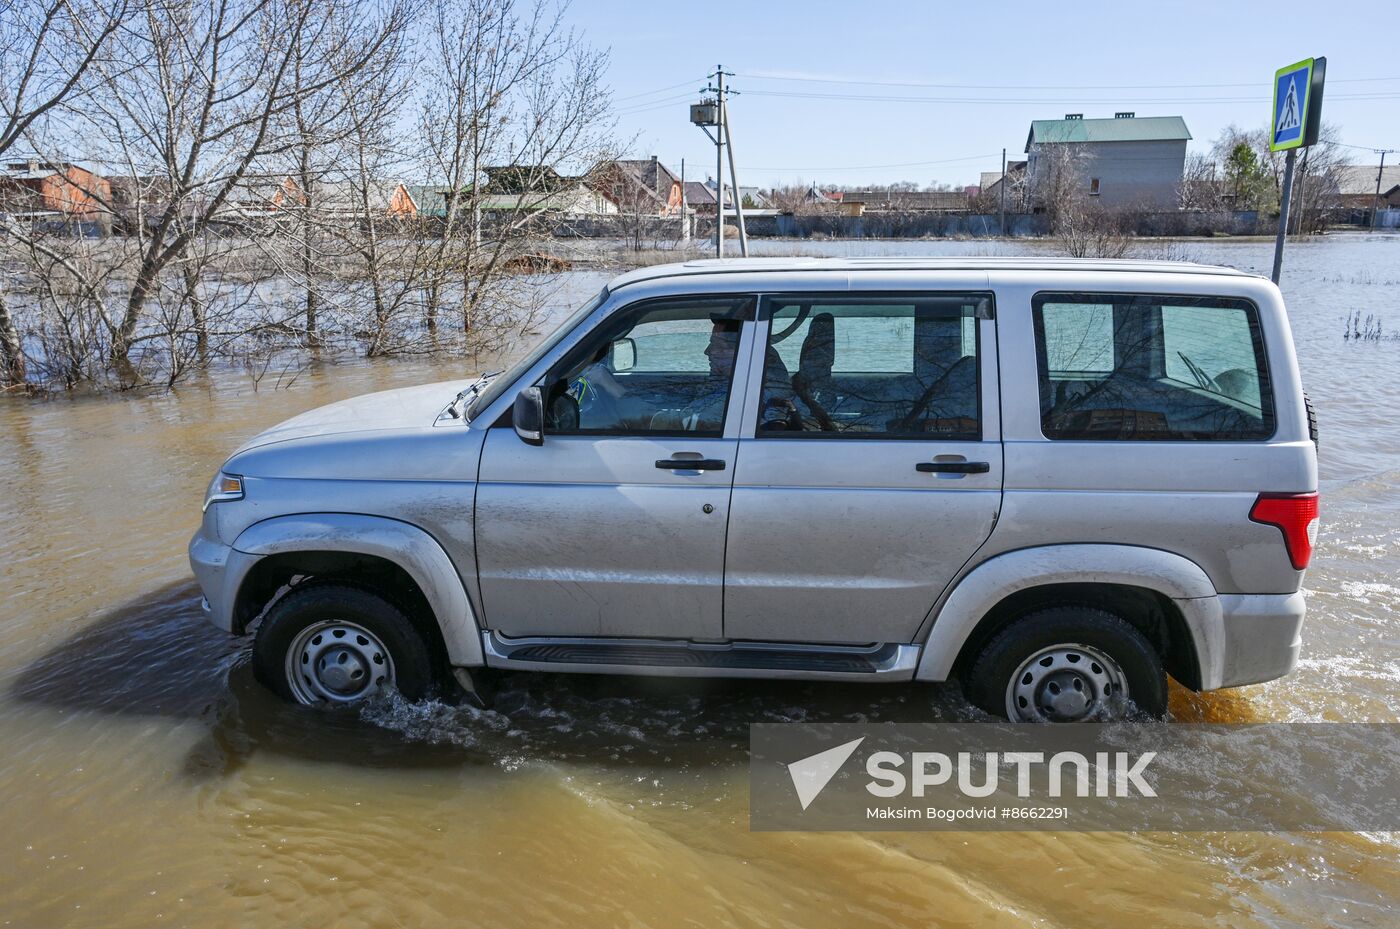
<point>1260,636</point>
<point>218,569</point>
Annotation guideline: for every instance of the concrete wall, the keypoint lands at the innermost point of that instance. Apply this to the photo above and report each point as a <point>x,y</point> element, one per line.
<point>894,225</point>
<point>910,225</point>
<point>651,228</point>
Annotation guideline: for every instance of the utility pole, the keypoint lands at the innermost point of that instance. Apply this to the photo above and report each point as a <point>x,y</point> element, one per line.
<point>719,166</point>
<point>1380,172</point>
<point>734,175</point>
<point>716,114</point>
<point>1003,193</point>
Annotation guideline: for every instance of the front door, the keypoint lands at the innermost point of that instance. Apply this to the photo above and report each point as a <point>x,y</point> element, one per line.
<point>615,525</point>
<point>870,467</point>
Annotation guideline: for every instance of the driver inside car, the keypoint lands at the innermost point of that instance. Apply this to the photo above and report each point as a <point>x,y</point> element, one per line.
<point>598,398</point>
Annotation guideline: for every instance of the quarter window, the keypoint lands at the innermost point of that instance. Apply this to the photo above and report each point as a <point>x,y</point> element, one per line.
<point>1140,367</point>
<point>878,367</point>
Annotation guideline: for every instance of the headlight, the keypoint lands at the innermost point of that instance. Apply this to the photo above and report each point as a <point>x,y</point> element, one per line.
<point>223,487</point>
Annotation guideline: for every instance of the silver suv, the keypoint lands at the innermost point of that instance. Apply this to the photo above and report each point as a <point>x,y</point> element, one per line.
<point>1057,481</point>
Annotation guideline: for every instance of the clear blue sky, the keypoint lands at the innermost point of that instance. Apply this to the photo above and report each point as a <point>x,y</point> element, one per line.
<point>1000,64</point>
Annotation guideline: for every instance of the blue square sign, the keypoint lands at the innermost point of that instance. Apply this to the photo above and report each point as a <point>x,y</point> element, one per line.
<point>1290,118</point>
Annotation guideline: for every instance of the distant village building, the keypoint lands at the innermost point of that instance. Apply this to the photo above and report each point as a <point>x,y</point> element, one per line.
<point>1356,186</point>
<point>55,193</point>
<point>700,197</point>
<point>356,200</point>
<point>262,197</point>
<point>990,188</point>
<point>753,198</point>
<point>859,202</point>
<point>539,189</point>
<point>138,201</point>
<point>578,200</point>
<point>1126,161</point>
<point>642,186</point>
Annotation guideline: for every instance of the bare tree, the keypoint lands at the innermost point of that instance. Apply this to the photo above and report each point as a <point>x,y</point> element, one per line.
<point>198,94</point>
<point>1083,228</point>
<point>388,282</point>
<point>1057,181</point>
<point>46,49</point>
<point>1200,185</point>
<point>1315,188</point>
<point>506,85</point>
<point>1253,175</point>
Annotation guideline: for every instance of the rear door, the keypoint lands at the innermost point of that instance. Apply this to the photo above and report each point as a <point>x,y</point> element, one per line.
<point>870,464</point>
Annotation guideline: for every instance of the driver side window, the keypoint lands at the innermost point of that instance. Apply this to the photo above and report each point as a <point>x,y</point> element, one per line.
<point>657,368</point>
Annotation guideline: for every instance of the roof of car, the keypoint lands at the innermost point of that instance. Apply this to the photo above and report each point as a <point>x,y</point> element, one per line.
<point>750,265</point>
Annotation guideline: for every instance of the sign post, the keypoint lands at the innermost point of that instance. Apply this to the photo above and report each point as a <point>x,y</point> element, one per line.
<point>1294,124</point>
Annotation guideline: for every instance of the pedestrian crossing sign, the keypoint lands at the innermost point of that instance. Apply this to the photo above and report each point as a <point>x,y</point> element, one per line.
<point>1292,97</point>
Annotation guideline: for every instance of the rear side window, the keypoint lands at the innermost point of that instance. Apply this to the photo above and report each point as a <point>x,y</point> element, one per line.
<point>872,367</point>
<point>1149,367</point>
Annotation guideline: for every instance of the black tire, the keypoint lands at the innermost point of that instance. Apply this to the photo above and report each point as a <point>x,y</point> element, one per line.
<point>986,680</point>
<point>319,601</point>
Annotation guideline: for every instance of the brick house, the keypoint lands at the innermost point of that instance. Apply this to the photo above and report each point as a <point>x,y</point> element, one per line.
<point>55,191</point>
<point>640,186</point>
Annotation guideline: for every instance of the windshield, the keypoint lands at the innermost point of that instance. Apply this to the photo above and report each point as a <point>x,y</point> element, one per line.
<point>500,383</point>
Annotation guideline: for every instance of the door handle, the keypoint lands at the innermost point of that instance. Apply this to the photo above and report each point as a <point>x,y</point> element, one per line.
<point>953,467</point>
<point>690,464</point>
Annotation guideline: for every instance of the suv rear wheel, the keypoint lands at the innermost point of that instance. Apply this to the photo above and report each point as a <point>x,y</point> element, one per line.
<point>332,643</point>
<point>1068,664</point>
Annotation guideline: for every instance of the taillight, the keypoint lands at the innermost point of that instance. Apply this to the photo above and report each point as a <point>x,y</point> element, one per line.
<point>1296,517</point>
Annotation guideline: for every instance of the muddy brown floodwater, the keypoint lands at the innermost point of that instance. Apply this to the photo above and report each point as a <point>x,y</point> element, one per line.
<point>146,780</point>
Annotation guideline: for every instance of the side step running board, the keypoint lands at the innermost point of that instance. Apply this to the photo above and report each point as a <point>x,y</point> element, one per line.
<point>681,658</point>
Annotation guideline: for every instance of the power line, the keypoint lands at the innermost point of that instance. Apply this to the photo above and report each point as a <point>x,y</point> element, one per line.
<point>850,81</point>
<point>902,164</point>
<point>651,105</point>
<point>1044,101</point>
<point>648,93</point>
<point>1369,148</point>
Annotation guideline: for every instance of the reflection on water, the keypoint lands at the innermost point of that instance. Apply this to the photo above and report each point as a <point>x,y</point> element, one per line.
<point>148,779</point>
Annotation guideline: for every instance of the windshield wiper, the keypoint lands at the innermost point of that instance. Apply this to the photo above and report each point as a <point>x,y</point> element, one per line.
<point>458,405</point>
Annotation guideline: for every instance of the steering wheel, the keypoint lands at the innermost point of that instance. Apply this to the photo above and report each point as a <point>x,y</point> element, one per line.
<point>803,312</point>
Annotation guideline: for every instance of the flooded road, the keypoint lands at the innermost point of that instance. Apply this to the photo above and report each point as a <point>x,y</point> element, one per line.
<point>147,780</point>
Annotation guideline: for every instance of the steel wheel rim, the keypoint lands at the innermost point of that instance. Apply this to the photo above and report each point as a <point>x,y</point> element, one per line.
<point>1067,683</point>
<point>337,661</point>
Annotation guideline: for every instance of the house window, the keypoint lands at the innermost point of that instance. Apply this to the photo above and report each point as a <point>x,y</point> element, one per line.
<point>1093,187</point>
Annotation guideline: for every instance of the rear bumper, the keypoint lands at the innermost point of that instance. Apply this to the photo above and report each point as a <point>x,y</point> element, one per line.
<point>1260,637</point>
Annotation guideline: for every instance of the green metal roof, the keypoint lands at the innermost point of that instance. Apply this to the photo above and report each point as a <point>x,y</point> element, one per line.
<point>1130,129</point>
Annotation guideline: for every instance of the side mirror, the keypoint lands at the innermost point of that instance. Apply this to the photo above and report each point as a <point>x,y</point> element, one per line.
<point>528,416</point>
<point>622,356</point>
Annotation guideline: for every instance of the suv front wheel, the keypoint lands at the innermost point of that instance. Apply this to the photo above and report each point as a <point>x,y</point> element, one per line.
<point>1068,664</point>
<point>332,643</point>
